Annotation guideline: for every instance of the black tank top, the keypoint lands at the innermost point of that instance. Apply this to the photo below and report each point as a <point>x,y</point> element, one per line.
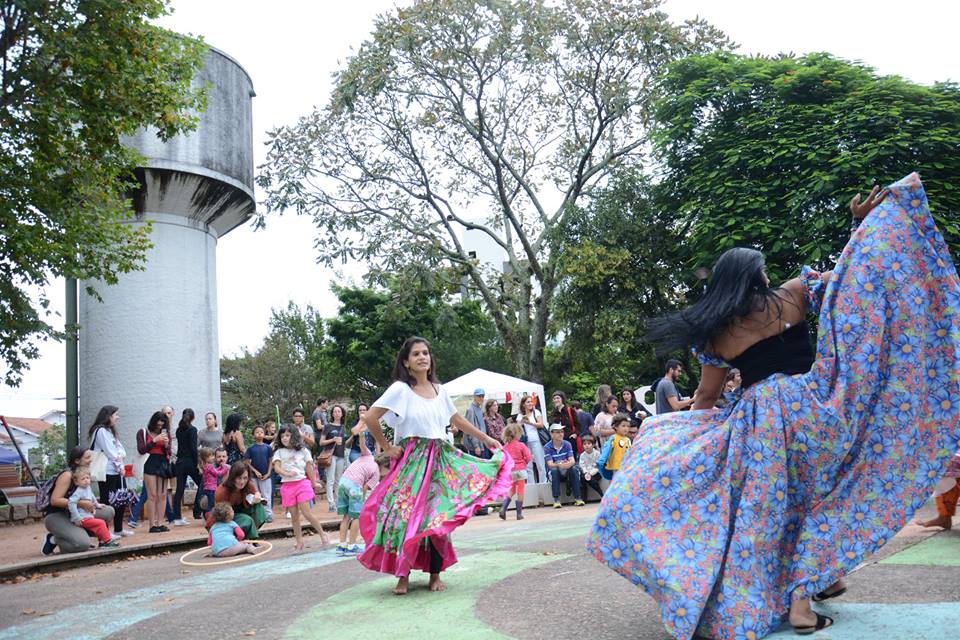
<point>788,352</point>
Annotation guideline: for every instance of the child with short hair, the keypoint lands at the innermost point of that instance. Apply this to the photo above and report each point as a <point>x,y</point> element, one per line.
<point>589,471</point>
<point>258,457</point>
<point>298,481</point>
<point>361,476</point>
<point>214,466</point>
<point>225,534</point>
<point>521,457</point>
<point>270,431</point>
<point>82,517</point>
<point>615,448</point>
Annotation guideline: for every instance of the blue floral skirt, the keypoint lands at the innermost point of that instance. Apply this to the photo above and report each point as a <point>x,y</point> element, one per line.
<point>722,514</point>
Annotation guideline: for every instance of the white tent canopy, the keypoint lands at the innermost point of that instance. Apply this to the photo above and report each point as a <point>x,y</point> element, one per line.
<point>496,386</point>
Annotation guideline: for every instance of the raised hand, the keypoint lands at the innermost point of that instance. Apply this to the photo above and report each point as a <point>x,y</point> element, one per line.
<point>861,209</point>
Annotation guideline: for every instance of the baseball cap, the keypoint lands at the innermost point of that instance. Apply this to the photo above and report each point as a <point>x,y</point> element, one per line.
<point>479,392</point>
<point>556,427</point>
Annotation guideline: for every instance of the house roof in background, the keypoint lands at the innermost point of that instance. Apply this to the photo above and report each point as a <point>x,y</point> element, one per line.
<point>35,426</point>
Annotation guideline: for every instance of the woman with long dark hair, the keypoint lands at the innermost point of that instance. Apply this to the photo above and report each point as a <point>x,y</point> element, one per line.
<point>563,414</point>
<point>233,438</point>
<point>187,466</point>
<point>154,442</point>
<point>242,494</point>
<point>61,532</point>
<point>105,438</point>
<point>632,407</point>
<point>733,519</point>
<point>432,488</point>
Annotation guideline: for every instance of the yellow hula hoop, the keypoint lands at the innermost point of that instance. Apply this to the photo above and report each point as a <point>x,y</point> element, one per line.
<point>218,562</point>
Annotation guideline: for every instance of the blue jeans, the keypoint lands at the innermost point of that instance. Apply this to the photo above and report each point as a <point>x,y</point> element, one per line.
<point>572,476</point>
<point>137,509</point>
<point>209,493</point>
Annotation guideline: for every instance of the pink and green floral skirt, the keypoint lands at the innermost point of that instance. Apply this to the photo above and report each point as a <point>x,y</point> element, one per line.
<point>431,490</point>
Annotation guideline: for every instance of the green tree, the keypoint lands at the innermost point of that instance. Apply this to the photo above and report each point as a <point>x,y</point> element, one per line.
<point>365,335</point>
<point>620,263</point>
<point>496,117</point>
<point>767,152</point>
<point>51,450</point>
<point>75,76</point>
<point>352,354</point>
<point>283,373</point>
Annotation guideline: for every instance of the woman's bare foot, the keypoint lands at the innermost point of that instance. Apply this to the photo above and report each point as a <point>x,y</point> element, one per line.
<point>298,548</point>
<point>436,584</point>
<point>944,522</point>
<point>801,615</point>
<point>402,585</point>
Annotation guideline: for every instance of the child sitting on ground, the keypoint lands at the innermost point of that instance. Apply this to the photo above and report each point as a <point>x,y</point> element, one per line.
<point>361,476</point>
<point>214,467</point>
<point>521,457</point>
<point>615,448</point>
<point>225,534</point>
<point>86,519</point>
<point>589,471</point>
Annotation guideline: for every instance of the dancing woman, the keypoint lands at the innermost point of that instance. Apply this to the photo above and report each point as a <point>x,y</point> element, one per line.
<point>433,487</point>
<point>734,518</point>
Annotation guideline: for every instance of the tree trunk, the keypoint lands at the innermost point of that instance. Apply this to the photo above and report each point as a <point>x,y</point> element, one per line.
<point>538,332</point>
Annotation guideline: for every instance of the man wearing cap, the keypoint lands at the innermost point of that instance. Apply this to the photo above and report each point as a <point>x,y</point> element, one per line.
<point>473,445</point>
<point>475,415</point>
<point>561,463</point>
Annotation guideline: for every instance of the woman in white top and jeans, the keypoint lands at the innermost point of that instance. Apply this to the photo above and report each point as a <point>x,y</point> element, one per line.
<point>103,437</point>
<point>432,488</point>
<point>531,420</point>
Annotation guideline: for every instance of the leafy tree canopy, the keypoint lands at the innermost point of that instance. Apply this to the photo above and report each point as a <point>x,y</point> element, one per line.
<point>351,355</point>
<point>76,76</point>
<point>621,263</point>
<point>52,450</point>
<point>492,117</point>
<point>767,152</point>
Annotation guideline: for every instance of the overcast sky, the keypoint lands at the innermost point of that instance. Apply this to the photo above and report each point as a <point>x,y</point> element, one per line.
<point>291,48</point>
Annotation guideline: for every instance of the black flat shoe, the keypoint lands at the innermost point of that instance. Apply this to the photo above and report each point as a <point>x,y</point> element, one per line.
<point>163,529</point>
<point>822,623</point>
<point>823,595</point>
<point>155,530</point>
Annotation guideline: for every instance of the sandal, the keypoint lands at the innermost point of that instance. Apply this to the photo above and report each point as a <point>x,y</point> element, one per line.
<point>822,623</point>
<point>823,595</point>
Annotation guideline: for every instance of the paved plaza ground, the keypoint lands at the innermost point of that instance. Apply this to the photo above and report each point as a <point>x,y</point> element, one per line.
<point>527,580</point>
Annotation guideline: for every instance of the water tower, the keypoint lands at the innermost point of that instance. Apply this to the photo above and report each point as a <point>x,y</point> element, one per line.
<point>152,341</point>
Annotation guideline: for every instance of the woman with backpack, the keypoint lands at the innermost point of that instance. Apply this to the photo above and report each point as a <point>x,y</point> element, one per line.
<point>54,498</point>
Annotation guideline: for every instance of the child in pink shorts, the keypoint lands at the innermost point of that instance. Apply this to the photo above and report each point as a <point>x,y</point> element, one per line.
<point>298,481</point>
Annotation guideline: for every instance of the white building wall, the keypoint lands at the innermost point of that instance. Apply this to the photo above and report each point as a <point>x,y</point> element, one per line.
<point>153,339</point>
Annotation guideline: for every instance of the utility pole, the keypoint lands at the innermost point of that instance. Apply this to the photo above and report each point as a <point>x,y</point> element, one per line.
<point>73,405</point>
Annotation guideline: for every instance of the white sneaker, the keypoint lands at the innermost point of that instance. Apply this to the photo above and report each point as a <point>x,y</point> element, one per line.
<point>182,522</point>
<point>124,534</point>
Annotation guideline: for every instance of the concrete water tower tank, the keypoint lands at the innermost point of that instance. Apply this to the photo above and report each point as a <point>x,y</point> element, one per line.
<point>153,339</point>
